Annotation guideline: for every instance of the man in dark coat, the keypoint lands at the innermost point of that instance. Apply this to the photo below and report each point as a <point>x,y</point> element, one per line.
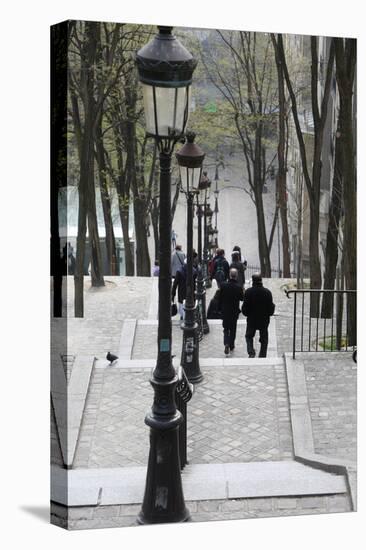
<point>237,264</point>
<point>231,294</point>
<point>258,306</point>
<point>180,283</point>
<point>220,268</point>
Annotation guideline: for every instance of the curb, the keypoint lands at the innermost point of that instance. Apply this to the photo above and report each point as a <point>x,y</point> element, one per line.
<point>302,430</point>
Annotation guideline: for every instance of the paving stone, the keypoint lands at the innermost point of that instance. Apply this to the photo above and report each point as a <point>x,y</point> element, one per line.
<point>208,506</point>
<point>106,512</point>
<point>262,504</point>
<point>313,502</point>
<point>234,505</point>
<point>286,503</point>
<point>81,513</point>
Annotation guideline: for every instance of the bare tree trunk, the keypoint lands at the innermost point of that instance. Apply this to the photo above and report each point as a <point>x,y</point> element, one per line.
<point>262,238</point>
<point>143,266</point>
<point>123,190</point>
<point>86,163</point>
<point>59,41</point>
<point>106,201</point>
<point>331,255</point>
<point>97,279</point>
<point>345,73</point>
<point>299,267</point>
<point>264,256</point>
<point>281,177</point>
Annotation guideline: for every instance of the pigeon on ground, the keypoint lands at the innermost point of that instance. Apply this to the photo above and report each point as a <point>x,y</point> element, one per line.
<point>111,358</point>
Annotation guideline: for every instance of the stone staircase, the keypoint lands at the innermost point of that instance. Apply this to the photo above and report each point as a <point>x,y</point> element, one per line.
<point>247,424</point>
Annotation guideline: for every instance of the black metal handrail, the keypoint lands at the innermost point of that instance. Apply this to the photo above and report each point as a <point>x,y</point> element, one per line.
<point>183,394</point>
<point>275,273</point>
<point>326,321</point>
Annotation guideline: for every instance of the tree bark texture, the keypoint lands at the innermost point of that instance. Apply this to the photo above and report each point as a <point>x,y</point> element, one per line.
<point>331,255</point>
<point>282,168</point>
<point>137,181</point>
<point>105,198</point>
<point>59,42</point>
<point>345,74</point>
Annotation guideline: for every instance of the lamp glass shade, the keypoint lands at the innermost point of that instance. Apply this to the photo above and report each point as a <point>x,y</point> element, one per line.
<point>190,178</point>
<point>166,109</point>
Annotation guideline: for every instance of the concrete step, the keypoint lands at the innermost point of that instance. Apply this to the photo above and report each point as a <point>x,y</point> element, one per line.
<point>112,486</point>
<point>137,364</point>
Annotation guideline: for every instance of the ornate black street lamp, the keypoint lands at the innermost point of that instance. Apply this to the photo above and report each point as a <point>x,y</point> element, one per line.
<point>190,158</point>
<point>216,209</point>
<point>165,70</point>
<point>205,187</point>
<point>201,290</point>
<point>207,224</point>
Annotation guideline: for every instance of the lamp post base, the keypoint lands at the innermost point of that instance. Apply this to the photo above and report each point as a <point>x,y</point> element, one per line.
<point>190,349</point>
<point>163,500</point>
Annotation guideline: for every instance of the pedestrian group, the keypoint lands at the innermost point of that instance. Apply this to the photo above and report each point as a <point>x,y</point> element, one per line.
<point>256,301</point>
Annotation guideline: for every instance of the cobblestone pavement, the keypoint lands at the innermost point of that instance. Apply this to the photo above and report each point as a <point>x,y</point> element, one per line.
<point>118,401</point>
<point>236,415</point>
<point>88,517</point>
<point>145,343</point>
<point>105,308</point>
<point>120,298</point>
<point>332,393</point>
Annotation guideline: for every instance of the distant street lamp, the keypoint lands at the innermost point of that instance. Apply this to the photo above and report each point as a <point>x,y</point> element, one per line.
<point>216,209</point>
<point>190,158</point>
<point>215,240</point>
<point>165,70</point>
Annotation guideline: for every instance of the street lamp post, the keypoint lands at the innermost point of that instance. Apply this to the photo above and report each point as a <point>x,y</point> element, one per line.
<point>208,221</point>
<point>190,158</point>
<point>205,186</point>
<point>201,290</point>
<point>165,70</point>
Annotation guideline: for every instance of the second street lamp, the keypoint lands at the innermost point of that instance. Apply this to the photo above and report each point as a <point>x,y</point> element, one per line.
<point>190,158</point>
<point>205,186</point>
<point>165,70</point>
<point>201,290</point>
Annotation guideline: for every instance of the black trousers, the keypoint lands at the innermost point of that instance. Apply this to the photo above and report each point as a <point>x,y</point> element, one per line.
<point>230,333</point>
<point>263,338</point>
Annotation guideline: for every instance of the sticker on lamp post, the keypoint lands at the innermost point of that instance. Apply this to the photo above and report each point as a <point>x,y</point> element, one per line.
<point>164,344</point>
<point>189,349</point>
